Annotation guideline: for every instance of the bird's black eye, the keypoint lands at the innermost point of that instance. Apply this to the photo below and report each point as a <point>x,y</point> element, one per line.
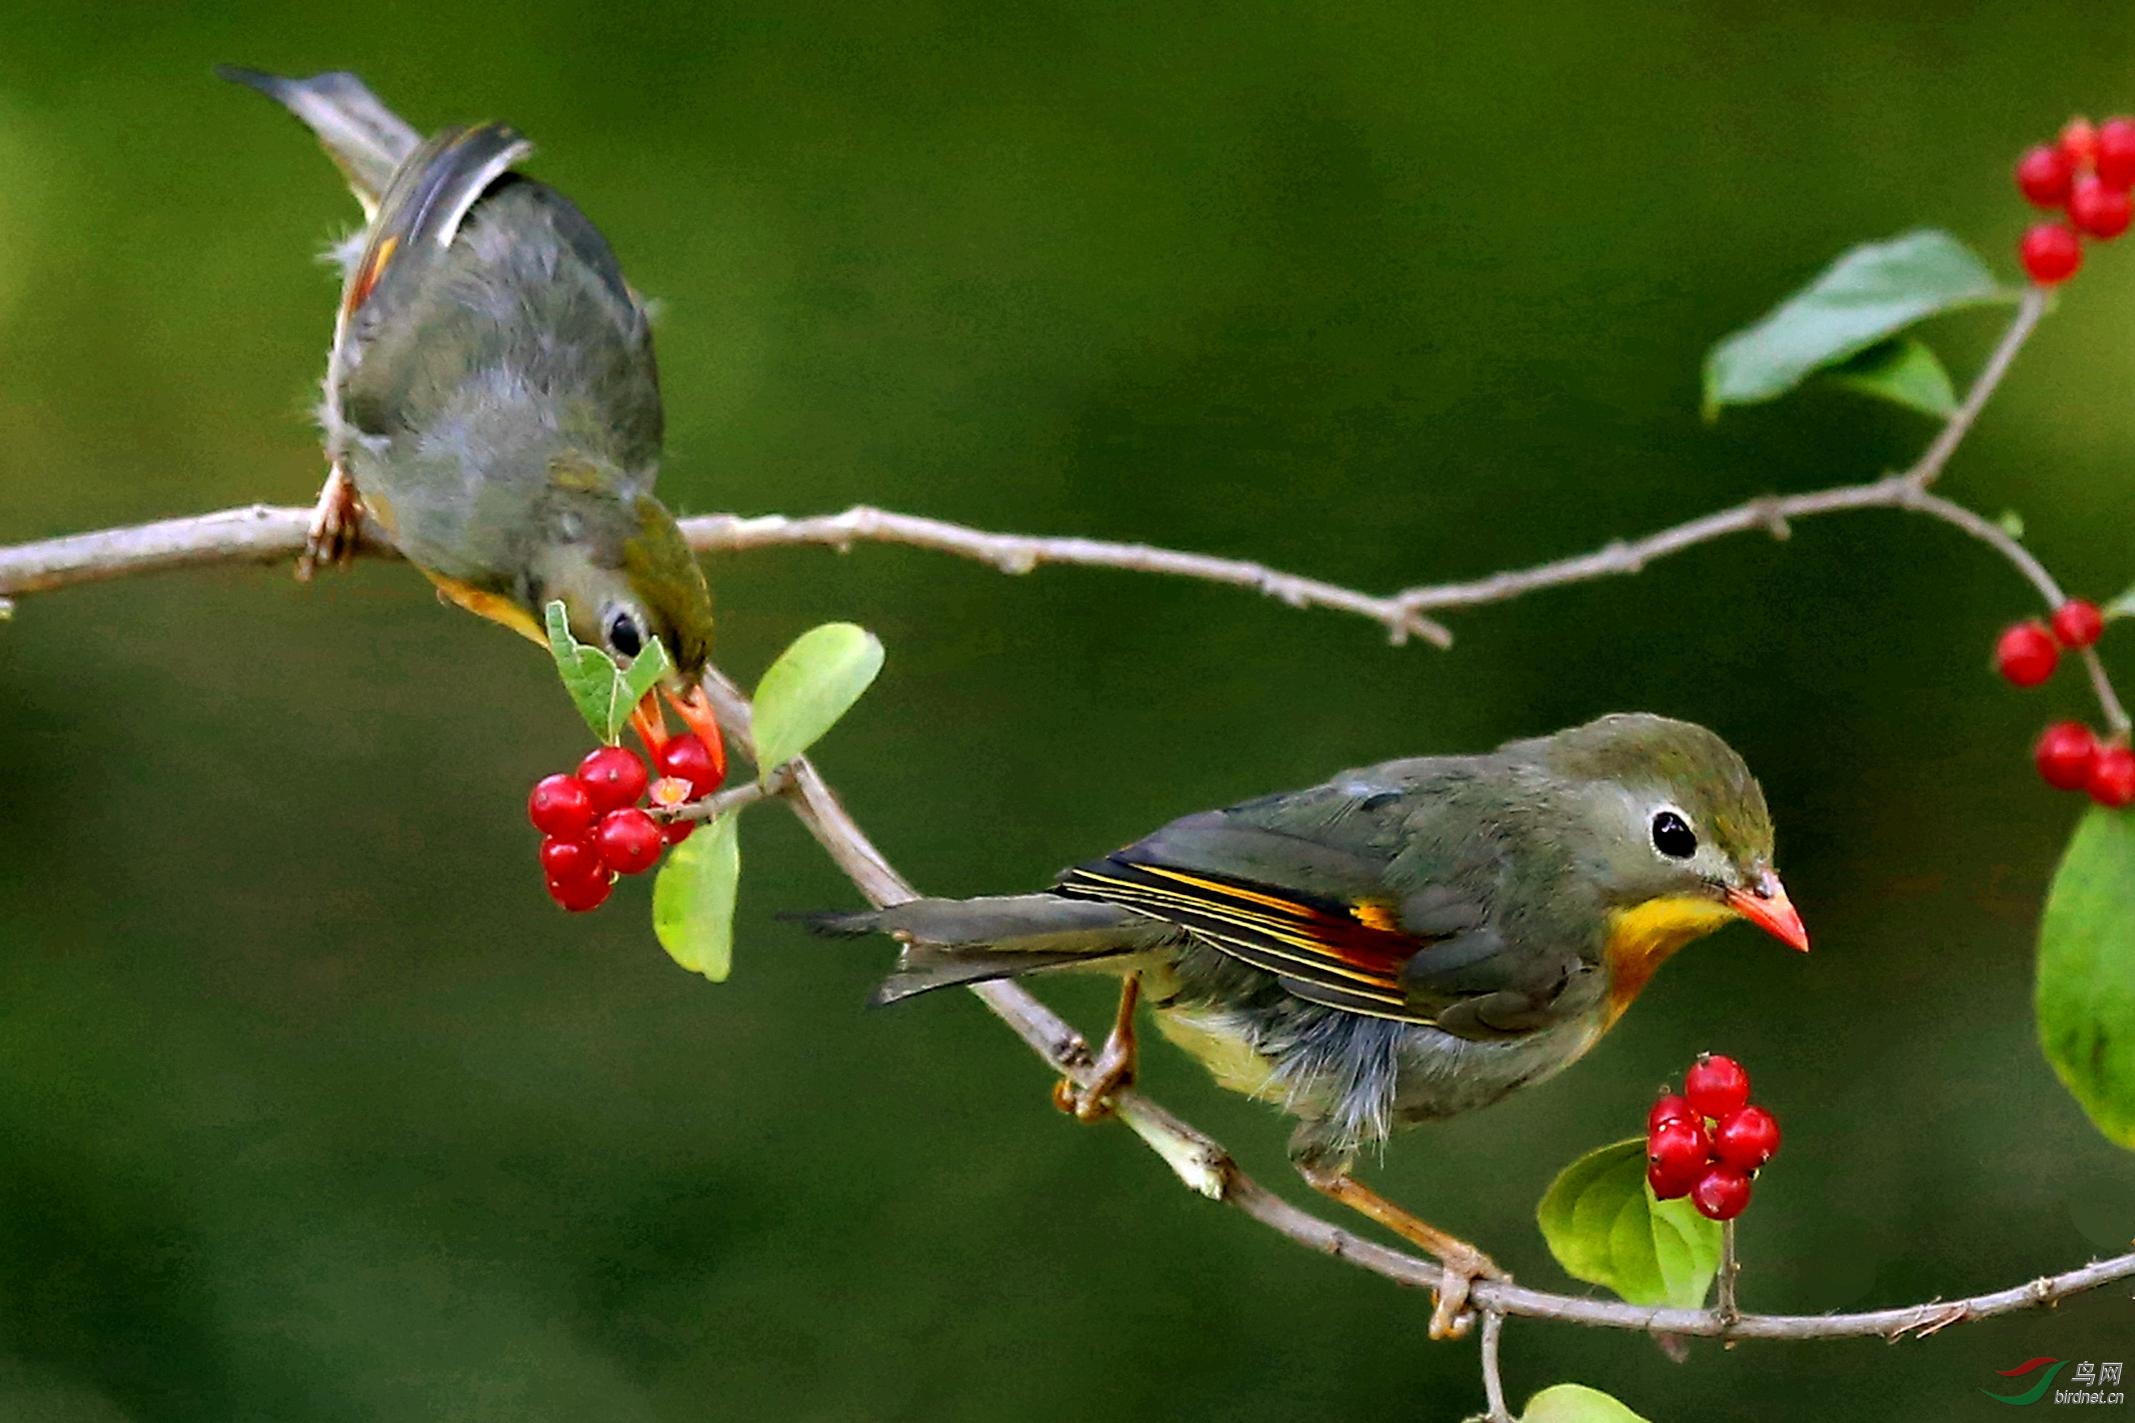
<point>625,637</point>
<point>1673,837</point>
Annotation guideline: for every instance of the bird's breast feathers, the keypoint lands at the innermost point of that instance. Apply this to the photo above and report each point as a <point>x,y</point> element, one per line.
<point>1643,937</point>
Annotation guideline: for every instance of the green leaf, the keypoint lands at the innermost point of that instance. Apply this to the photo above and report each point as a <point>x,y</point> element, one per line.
<point>2121,607</point>
<point>693,899</point>
<point>631,684</point>
<point>2086,990</point>
<point>811,685</point>
<point>2011,523</point>
<point>1604,1226</point>
<point>603,694</point>
<point>1904,372</point>
<point>1576,1403</point>
<point>1868,295</point>
<point>587,673</point>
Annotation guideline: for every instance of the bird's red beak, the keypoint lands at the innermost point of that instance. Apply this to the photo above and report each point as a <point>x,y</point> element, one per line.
<point>1766,905</point>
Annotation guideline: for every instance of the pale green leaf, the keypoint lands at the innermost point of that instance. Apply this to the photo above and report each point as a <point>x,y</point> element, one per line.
<point>693,899</point>
<point>2011,523</point>
<point>1869,294</point>
<point>1904,372</point>
<point>811,685</point>
<point>603,693</point>
<point>1604,1226</point>
<point>1576,1403</point>
<point>630,685</point>
<point>587,673</point>
<point>2121,607</point>
<point>2086,988</point>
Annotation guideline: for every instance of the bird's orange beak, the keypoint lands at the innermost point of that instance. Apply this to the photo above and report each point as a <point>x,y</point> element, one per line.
<point>1766,905</point>
<point>695,709</point>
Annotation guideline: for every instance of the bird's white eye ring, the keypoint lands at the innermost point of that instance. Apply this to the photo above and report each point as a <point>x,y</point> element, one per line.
<point>623,633</point>
<point>1672,835</point>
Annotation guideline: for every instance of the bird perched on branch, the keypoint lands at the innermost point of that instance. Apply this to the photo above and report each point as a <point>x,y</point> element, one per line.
<point>1402,943</point>
<point>491,397</point>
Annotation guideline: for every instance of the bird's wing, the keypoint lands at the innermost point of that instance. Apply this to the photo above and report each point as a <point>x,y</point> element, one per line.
<point>418,216</point>
<point>465,275</point>
<point>1300,886</point>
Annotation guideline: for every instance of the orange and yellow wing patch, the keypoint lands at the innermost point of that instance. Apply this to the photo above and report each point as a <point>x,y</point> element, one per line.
<point>1343,955</point>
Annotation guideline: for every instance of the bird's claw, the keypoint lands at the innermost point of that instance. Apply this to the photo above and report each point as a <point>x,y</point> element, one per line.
<point>336,526</point>
<point>1114,1067</point>
<point>1450,1316</point>
<point>1094,1102</point>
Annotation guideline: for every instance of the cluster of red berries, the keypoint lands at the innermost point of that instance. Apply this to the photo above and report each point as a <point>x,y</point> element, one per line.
<point>2088,172</point>
<point>2070,756</point>
<point>592,827</point>
<point>1708,1141</point>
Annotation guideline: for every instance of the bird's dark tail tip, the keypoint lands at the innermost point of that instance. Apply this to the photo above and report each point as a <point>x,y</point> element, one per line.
<point>260,79</point>
<point>832,923</point>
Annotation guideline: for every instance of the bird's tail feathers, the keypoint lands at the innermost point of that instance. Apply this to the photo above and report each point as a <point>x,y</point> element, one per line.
<point>366,140</point>
<point>962,941</point>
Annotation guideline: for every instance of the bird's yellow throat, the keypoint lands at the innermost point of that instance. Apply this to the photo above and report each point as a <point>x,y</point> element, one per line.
<point>1642,938</point>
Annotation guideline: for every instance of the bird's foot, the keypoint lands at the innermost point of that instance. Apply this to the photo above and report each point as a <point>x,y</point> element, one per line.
<point>1463,1264</point>
<point>336,526</point>
<point>1113,1069</point>
<point>1450,1315</point>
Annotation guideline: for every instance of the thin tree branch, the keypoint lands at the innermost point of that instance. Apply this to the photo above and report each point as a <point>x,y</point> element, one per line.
<point>1493,1382</point>
<point>1725,1310</point>
<point>2029,309</point>
<point>264,533</point>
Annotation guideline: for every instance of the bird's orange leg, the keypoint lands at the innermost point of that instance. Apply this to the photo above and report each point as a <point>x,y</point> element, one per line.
<point>1464,1263</point>
<point>1115,1062</point>
<point>336,524</point>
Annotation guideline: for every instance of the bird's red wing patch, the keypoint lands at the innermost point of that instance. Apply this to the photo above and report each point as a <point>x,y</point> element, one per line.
<point>1345,955</point>
<point>364,280</point>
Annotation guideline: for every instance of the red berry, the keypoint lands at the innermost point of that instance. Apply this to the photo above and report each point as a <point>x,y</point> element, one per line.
<point>687,756</point>
<point>2112,779</point>
<point>2064,755</point>
<point>2078,623</point>
<point>1667,1187</point>
<point>2116,152</point>
<point>1677,1152</point>
<point>1721,1193</point>
<point>2098,208</point>
<point>1679,1143</point>
<point>2050,252</point>
<point>1667,1109</point>
<point>2079,143</point>
<point>613,777</point>
<point>630,841</point>
<point>2026,654</point>
<point>563,859</point>
<point>580,895</point>
<point>2043,175</point>
<point>560,806</point>
<point>1746,1139</point>
<point>1716,1085</point>
<point>674,832</point>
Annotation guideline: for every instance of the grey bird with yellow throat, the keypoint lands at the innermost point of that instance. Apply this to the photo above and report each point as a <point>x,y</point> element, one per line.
<point>1402,943</point>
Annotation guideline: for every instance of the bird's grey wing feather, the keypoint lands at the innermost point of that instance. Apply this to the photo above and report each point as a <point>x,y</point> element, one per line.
<point>1356,894</point>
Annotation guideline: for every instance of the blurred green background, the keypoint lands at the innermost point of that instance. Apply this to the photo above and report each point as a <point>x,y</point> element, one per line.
<point>316,1109</point>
